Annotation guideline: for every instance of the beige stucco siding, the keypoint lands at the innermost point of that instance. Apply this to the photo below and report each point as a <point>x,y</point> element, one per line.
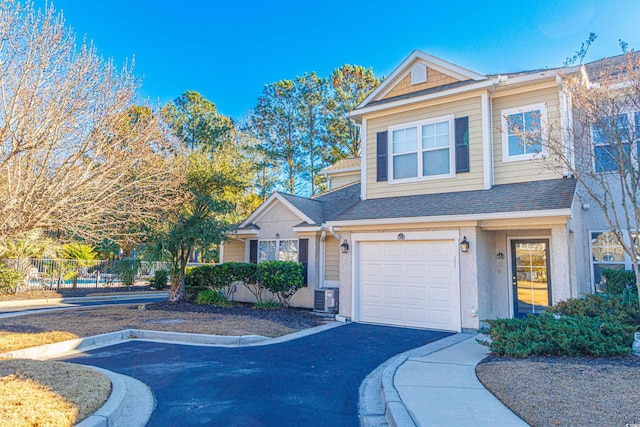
<point>234,251</point>
<point>434,79</point>
<point>524,170</point>
<point>331,259</point>
<point>472,180</point>
<point>278,220</point>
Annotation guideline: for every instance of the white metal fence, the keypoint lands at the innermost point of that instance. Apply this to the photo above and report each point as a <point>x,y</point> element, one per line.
<point>68,273</point>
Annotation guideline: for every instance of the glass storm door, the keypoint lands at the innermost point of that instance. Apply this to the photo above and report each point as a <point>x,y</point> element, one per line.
<point>529,276</point>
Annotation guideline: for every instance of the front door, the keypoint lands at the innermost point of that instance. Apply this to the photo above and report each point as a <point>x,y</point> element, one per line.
<point>530,276</point>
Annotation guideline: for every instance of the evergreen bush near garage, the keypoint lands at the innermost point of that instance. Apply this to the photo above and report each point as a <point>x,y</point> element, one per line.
<point>282,278</point>
<point>594,326</point>
<point>10,279</point>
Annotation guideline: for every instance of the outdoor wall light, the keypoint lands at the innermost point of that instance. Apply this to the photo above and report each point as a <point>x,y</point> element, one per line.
<point>344,247</point>
<point>500,255</point>
<point>277,235</point>
<point>464,245</point>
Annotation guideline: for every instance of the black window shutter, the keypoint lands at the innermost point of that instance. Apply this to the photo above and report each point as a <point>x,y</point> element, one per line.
<point>253,251</point>
<point>303,257</point>
<point>381,156</point>
<point>462,144</point>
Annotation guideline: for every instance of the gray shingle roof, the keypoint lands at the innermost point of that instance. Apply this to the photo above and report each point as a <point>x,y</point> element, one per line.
<point>528,196</point>
<point>326,206</point>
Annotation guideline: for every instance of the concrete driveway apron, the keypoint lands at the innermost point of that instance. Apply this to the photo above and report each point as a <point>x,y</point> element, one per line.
<point>311,381</point>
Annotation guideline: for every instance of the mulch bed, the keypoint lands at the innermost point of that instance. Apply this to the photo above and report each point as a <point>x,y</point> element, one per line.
<point>565,391</point>
<point>293,318</point>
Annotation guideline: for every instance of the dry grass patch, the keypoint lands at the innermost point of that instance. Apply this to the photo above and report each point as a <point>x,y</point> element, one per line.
<point>566,391</point>
<point>46,393</point>
<point>10,341</point>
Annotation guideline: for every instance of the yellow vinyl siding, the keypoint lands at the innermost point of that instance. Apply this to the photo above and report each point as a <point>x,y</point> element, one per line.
<point>338,180</point>
<point>473,180</point>
<point>525,170</point>
<point>233,251</point>
<point>331,258</point>
<point>434,79</point>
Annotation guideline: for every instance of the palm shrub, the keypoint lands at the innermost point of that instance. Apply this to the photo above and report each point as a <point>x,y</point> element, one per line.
<point>621,283</point>
<point>282,278</point>
<point>209,296</point>
<point>127,270</point>
<point>159,279</point>
<point>10,279</point>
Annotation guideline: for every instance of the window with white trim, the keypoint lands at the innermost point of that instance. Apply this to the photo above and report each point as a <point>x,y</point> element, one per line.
<point>608,254</point>
<point>613,141</point>
<point>523,132</point>
<point>277,250</point>
<point>422,150</point>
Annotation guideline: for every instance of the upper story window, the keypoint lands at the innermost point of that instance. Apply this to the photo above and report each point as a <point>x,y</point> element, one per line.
<point>422,150</point>
<point>523,131</point>
<point>277,250</point>
<point>613,139</point>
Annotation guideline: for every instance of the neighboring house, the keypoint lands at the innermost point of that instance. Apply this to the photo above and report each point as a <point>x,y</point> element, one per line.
<point>442,170</point>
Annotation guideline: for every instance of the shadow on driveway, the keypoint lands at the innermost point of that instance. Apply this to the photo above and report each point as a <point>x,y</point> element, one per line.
<point>311,381</point>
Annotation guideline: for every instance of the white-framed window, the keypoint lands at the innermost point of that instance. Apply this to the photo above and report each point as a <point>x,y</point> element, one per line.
<point>422,150</point>
<point>523,132</point>
<point>614,139</point>
<point>278,250</point>
<point>607,253</point>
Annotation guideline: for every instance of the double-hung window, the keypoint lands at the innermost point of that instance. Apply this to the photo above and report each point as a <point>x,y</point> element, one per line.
<point>523,132</point>
<point>277,250</point>
<point>613,138</point>
<point>422,150</point>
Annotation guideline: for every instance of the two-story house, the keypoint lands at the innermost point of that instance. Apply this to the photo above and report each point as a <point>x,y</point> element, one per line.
<point>448,217</point>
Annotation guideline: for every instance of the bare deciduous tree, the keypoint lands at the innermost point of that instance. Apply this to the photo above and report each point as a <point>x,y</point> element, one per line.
<point>600,147</point>
<point>76,155</point>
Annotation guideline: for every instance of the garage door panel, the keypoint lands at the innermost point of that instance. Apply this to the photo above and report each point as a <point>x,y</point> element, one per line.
<point>409,283</point>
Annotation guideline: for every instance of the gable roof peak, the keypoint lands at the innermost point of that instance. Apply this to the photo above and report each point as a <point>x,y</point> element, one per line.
<point>431,61</point>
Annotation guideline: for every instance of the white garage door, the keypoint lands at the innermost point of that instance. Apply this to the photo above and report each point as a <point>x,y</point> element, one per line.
<point>409,283</point>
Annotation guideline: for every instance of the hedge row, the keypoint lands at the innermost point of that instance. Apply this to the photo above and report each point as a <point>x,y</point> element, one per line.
<point>596,326</point>
<point>282,278</point>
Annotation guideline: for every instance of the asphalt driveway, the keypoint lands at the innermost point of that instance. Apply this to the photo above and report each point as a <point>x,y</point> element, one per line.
<point>311,381</point>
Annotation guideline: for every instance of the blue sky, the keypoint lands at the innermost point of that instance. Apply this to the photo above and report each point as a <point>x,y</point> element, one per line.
<point>228,50</point>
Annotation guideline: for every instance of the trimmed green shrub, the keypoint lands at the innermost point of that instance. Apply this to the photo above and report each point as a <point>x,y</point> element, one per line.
<point>546,335</point>
<point>159,280</point>
<point>191,292</point>
<point>10,279</point>
<point>282,278</point>
<point>209,296</point>
<point>599,306</point>
<point>223,278</point>
<point>594,326</point>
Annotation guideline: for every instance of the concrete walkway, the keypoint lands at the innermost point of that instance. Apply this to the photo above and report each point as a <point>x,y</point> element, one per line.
<point>440,388</point>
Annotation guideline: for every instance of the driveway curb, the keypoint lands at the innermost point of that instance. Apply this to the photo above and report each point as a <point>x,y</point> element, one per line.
<point>71,300</point>
<point>125,391</point>
<point>379,399</point>
<point>48,351</point>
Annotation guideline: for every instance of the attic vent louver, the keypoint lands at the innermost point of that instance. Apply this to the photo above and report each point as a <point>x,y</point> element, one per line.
<point>418,74</point>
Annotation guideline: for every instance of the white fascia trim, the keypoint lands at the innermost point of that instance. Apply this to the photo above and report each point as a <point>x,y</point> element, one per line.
<point>454,218</point>
<point>247,232</point>
<point>436,63</point>
<point>409,235</point>
<point>258,213</point>
<point>308,228</point>
<point>487,152</point>
<point>467,88</point>
<point>363,160</point>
